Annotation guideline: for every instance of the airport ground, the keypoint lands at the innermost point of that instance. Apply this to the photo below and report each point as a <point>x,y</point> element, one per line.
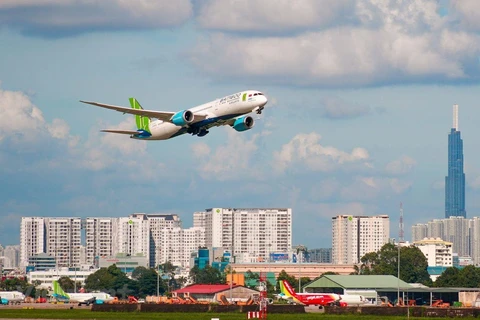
<point>70,311</point>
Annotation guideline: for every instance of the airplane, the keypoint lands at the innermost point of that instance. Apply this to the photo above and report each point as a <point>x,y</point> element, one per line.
<point>230,110</point>
<point>80,298</point>
<point>12,297</point>
<point>308,299</point>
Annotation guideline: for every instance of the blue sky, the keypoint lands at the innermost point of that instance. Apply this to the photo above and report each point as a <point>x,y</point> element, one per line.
<point>360,106</point>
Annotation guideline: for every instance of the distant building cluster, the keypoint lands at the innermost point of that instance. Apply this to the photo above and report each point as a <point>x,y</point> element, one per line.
<point>9,257</point>
<point>250,234</point>
<point>464,234</point>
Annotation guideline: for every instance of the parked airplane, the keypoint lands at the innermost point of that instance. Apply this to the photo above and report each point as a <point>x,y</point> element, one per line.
<point>12,297</point>
<point>81,298</point>
<point>230,110</point>
<point>317,299</point>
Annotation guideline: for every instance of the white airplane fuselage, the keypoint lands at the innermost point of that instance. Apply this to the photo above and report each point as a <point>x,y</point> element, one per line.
<point>12,296</point>
<point>218,110</point>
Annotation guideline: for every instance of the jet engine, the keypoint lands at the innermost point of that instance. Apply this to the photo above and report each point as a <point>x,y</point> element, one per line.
<point>182,118</point>
<point>243,123</point>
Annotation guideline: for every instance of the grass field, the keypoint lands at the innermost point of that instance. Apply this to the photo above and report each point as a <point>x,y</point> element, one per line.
<point>87,314</point>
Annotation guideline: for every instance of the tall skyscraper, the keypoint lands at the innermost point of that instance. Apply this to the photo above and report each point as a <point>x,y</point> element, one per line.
<point>455,180</point>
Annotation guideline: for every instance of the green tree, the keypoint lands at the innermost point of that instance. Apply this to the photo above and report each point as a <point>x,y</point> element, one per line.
<point>468,277</point>
<point>413,264</point>
<point>289,278</point>
<point>112,280</point>
<point>66,284</point>
<point>208,275</point>
<point>147,281</point>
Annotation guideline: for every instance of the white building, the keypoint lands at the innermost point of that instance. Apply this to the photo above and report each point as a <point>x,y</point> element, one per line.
<point>45,278</point>
<point>177,245</point>
<point>439,253</point>
<point>354,236</point>
<point>32,238</point>
<point>63,238</point>
<point>256,231</point>
<point>159,224</point>
<point>11,256</point>
<point>419,231</point>
<point>133,235</point>
<point>100,238</point>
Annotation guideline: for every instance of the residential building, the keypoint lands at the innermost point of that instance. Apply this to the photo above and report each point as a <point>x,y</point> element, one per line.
<point>32,238</point>
<point>438,252</point>
<point>455,180</point>
<point>354,236</point>
<point>133,235</point>
<point>11,256</point>
<point>256,231</point>
<point>63,239</point>
<point>100,238</point>
<point>159,225</point>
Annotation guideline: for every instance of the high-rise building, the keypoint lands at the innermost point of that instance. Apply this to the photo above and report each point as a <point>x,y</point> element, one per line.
<point>32,238</point>
<point>63,240</point>
<point>100,238</point>
<point>133,235</point>
<point>320,255</point>
<point>256,231</point>
<point>354,236</point>
<point>455,180</point>
<point>464,234</point>
<point>159,224</point>
<point>12,256</point>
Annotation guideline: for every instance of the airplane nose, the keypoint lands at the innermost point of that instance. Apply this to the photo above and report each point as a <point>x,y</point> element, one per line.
<point>263,101</point>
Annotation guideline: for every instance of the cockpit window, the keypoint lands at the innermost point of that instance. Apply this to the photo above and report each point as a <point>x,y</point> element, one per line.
<point>255,94</point>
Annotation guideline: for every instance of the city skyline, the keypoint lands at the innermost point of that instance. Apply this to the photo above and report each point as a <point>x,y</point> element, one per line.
<point>359,108</point>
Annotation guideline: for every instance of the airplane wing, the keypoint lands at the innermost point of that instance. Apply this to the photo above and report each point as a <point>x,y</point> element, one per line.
<point>162,115</point>
<point>120,131</point>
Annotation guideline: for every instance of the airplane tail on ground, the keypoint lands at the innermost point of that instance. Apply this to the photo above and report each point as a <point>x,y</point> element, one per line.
<point>143,123</point>
<point>287,291</point>
<point>58,291</point>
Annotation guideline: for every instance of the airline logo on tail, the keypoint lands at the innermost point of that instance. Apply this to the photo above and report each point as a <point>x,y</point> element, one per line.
<point>288,292</point>
<point>143,123</point>
<point>58,291</point>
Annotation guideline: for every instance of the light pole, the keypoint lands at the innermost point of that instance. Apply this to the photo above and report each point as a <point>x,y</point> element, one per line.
<point>158,280</point>
<point>398,274</point>
<point>75,282</point>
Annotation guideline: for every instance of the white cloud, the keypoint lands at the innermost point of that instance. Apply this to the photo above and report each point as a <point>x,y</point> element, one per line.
<point>401,166</point>
<point>273,15</point>
<point>231,160</point>
<point>468,13</point>
<point>52,18</point>
<point>305,150</point>
<point>393,42</point>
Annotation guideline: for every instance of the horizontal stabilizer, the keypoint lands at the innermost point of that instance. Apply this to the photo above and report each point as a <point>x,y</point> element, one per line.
<point>120,131</point>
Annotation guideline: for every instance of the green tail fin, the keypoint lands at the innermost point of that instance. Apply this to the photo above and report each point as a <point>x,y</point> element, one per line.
<point>58,291</point>
<point>143,123</point>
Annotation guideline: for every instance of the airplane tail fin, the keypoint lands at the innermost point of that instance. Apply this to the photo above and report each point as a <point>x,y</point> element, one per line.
<point>286,289</point>
<point>58,291</point>
<point>143,123</point>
